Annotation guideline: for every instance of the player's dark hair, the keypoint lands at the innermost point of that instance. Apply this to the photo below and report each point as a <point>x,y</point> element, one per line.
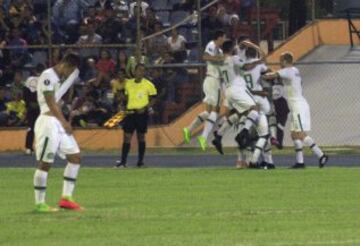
<point>288,57</point>
<point>242,38</point>
<point>72,59</point>
<point>251,52</point>
<point>139,65</point>
<point>228,46</point>
<point>218,34</point>
<point>39,67</point>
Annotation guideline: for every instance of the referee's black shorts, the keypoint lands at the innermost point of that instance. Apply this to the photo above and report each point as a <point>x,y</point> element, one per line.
<point>138,122</point>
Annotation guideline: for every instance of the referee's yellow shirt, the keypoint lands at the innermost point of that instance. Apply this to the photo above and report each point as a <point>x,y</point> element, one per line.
<point>139,93</point>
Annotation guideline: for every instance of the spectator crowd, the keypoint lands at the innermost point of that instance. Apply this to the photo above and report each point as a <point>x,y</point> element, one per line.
<point>104,70</point>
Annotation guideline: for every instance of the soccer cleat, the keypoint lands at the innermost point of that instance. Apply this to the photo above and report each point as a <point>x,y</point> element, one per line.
<point>243,138</point>
<point>140,164</point>
<point>298,166</point>
<point>269,166</point>
<point>202,142</point>
<point>253,166</point>
<point>44,208</point>
<point>187,135</point>
<point>28,152</point>
<point>323,160</point>
<point>70,204</point>
<point>217,143</point>
<point>120,164</point>
<point>276,143</point>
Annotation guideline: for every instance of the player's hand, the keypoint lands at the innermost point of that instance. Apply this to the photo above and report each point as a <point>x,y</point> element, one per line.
<point>68,128</point>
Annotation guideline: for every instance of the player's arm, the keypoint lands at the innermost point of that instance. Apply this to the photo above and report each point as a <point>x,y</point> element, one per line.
<point>260,93</point>
<point>212,58</point>
<point>270,76</point>
<point>256,47</point>
<point>56,111</point>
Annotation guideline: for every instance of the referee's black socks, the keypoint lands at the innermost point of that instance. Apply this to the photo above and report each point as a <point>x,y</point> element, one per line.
<point>141,149</point>
<point>125,152</point>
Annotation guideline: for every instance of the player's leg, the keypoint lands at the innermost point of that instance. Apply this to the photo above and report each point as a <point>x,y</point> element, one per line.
<point>273,127</point>
<point>208,89</point>
<point>212,101</point>
<point>46,142</point>
<point>70,177</point>
<point>200,119</point>
<point>297,135</point>
<point>297,138</point>
<point>229,121</point>
<point>129,128</point>
<point>281,112</point>
<point>70,150</point>
<point>209,125</point>
<point>267,156</point>
<point>304,116</point>
<point>262,129</point>
<point>141,129</point>
<point>245,102</point>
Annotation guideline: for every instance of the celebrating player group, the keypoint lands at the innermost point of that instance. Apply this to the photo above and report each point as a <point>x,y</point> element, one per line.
<point>253,93</point>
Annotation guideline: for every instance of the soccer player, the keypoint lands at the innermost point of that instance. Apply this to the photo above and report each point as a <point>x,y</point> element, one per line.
<point>282,110</point>
<point>140,94</point>
<point>214,57</point>
<point>299,110</point>
<point>53,133</point>
<point>254,84</point>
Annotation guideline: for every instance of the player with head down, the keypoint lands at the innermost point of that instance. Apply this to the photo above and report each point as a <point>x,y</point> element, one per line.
<point>53,133</point>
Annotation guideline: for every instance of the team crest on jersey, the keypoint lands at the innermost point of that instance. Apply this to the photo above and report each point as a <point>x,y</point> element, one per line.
<point>47,82</point>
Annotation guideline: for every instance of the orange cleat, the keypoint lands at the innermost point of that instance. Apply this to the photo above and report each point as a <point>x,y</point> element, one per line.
<point>70,204</point>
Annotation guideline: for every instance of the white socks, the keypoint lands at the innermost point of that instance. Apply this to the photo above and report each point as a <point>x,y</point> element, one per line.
<point>40,178</point>
<point>209,124</point>
<point>313,146</point>
<point>70,175</point>
<point>202,117</point>
<point>252,119</point>
<point>259,146</point>
<point>299,151</point>
<point>267,154</point>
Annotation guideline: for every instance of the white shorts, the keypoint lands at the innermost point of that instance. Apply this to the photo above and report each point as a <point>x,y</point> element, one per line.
<point>264,104</point>
<point>239,98</point>
<point>211,88</point>
<point>51,139</point>
<point>300,116</point>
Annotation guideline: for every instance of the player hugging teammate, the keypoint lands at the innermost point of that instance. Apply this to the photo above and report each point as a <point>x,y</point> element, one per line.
<point>244,77</point>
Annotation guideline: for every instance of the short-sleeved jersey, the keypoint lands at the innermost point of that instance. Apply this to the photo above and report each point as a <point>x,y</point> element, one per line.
<point>139,93</point>
<point>228,71</point>
<point>47,82</point>
<point>213,67</point>
<point>292,83</point>
<point>253,76</point>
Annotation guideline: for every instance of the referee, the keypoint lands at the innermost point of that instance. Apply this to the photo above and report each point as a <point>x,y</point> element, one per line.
<point>140,95</point>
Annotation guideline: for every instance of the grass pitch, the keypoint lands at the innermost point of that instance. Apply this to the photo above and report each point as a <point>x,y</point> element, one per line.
<point>187,207</point>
